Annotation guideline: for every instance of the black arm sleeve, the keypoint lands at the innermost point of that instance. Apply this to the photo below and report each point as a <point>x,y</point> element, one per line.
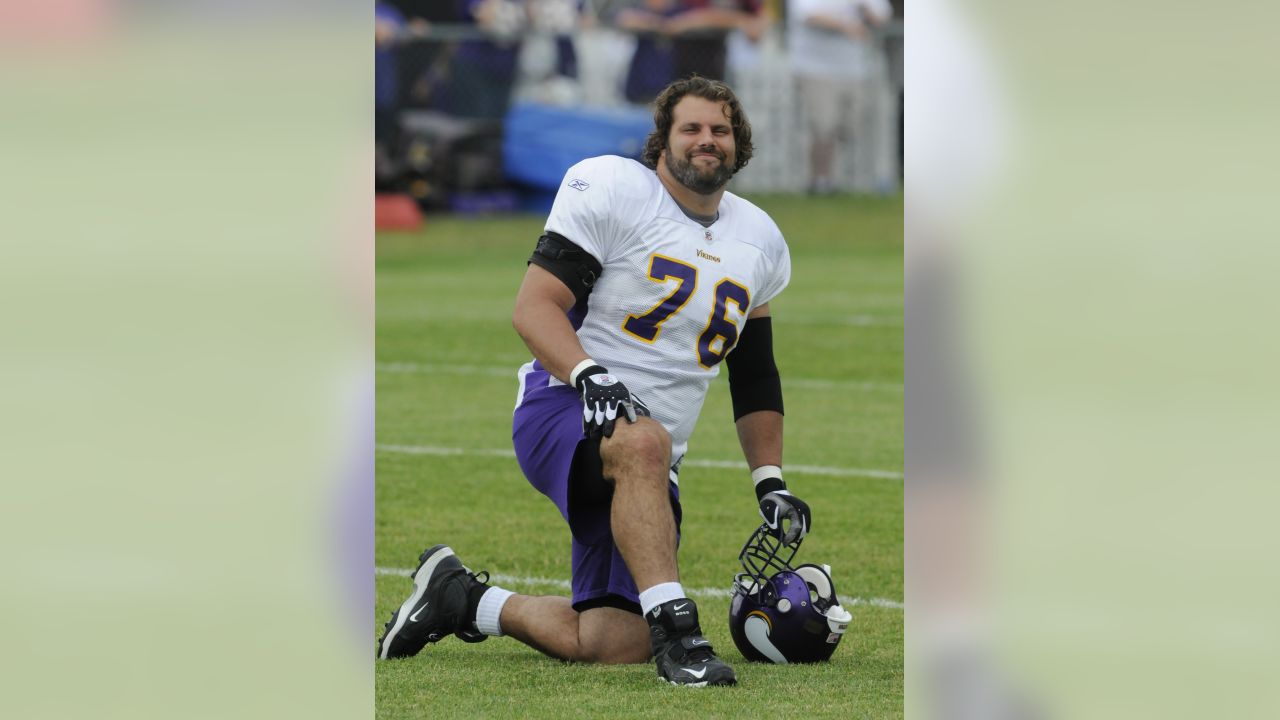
<point>574,266</point>
<point>753,376</point>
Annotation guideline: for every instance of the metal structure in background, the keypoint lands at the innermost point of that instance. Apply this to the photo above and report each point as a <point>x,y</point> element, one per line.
<point>457,83</point>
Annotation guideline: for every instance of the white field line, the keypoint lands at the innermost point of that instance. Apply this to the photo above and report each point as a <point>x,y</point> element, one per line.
<point>727,464</point>
<point>814,384</point>
<point>847,321</point>
<point>510,372</point>
<point>513,580</point>
<point>435,368</point>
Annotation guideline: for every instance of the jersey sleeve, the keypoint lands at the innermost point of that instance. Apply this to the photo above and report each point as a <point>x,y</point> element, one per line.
<point>779,260</point>
<point>586,207</point>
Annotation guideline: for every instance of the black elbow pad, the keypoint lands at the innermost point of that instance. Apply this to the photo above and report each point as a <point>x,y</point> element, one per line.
<point>754,383</point>
<point>574,266</point>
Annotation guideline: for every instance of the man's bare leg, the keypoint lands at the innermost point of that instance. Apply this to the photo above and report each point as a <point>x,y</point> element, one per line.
<point>637,460</point>
<point>599,635</point>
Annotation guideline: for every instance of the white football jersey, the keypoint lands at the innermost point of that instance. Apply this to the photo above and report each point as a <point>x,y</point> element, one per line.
<point>673,294</point>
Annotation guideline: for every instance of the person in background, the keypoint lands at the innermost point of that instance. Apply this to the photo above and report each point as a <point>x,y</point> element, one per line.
<point>387,27</point>
<point>700,29</point>
<point>484,69</point>
<point>833,58</point>
<point>652,64</point>
<point>549,65</point>
<point>682,38</point>
<point>421,58</point>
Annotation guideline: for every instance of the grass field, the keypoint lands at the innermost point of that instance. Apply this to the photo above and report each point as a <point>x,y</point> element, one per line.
<point>446,385</point>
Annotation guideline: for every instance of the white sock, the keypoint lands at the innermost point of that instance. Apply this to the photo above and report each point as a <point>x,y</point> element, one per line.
<point>658,594</point>
<point>489,610</point>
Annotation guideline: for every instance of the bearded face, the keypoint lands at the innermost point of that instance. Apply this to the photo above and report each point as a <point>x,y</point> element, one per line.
<point>696,171</point>
<point>700,150</point>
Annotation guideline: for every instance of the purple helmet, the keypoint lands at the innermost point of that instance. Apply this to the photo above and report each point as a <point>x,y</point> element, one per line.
<point>784,614</point>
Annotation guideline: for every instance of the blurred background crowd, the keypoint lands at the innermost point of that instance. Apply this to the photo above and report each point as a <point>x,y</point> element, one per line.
<point>481,105</point>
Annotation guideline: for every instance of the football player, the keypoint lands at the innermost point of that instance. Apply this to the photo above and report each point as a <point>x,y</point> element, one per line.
<point>647,278</point>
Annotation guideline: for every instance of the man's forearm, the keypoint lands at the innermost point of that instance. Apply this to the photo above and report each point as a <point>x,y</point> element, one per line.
<point>828,22</point>
<point>760,434</point>
<point>546,331</point>
<point>707,19</point>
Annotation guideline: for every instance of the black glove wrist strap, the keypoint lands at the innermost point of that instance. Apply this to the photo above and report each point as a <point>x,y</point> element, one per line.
<point>768,485</point>
<point>582,373</point>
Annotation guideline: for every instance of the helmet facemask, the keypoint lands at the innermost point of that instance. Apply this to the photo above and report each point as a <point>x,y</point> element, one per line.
<point>761,558</point>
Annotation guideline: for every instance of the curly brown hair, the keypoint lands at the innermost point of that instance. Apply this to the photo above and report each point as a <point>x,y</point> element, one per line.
<point>714,90</point>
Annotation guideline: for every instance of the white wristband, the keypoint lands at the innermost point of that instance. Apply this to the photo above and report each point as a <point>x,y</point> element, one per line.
<point>573,376</point>
<point>764,472</point>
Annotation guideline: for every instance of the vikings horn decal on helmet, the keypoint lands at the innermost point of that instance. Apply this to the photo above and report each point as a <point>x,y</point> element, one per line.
<point>784,614</point>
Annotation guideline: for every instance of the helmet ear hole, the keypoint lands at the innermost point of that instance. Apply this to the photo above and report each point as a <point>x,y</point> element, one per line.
<point>819,582</point>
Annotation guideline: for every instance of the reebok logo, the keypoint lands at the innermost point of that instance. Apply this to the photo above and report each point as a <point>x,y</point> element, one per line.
<point>414,616</point>
<point>579,185</point>
<point>696,673</point>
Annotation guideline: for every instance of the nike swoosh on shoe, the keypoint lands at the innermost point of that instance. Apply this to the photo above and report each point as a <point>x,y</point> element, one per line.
<point>414,616</point>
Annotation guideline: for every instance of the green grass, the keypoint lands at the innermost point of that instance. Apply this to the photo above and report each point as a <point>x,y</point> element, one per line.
<point>447,357</point>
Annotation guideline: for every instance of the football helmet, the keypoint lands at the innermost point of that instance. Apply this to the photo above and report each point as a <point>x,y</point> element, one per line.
<point>783,614</point>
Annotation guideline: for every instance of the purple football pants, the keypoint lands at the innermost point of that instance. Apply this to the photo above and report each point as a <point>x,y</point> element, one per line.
<point>546,431</point>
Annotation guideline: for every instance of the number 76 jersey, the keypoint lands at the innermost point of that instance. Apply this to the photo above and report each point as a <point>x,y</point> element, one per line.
<point>673,295</point>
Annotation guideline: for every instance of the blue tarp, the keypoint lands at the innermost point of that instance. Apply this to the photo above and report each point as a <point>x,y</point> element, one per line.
<point>541,142</point>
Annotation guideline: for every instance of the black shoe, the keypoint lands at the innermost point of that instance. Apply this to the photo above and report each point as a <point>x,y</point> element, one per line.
<point>477,584</point>
<point>683,656</point>
<point>438,606</point>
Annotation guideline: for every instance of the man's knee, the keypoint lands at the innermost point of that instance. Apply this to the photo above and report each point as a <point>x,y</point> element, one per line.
<point>643,445</point>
